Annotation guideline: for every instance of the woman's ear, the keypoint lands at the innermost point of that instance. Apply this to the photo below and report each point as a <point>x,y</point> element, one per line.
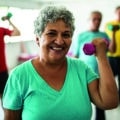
<point>37,41</point>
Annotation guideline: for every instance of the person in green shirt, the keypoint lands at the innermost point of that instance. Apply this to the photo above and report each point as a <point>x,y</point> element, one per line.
<point>53,86</point>
<point>93,32</point>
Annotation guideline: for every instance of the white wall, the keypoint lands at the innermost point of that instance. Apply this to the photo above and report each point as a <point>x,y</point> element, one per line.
<point>82,10</point>
<point>14,51</point>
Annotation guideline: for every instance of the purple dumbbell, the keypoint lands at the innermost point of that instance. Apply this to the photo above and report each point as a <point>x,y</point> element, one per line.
<point>89,48</point>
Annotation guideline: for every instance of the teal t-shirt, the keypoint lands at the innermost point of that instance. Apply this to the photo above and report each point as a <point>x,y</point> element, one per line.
<point>87,37</point>
<point>26,89</point>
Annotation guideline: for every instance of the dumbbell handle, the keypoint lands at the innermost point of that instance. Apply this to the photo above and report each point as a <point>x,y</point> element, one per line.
<point>8,16</point>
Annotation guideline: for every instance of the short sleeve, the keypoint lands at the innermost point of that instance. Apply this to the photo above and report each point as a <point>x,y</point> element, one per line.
<point>91,75</point>
<point>7,32</point>
<point>11,96</point>
<point>85,73</point>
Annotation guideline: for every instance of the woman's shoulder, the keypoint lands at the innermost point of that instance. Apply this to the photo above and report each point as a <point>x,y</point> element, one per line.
<point>22,67</point>
<point>76,62</point>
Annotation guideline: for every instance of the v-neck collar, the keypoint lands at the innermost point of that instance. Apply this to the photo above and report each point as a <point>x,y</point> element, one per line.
<point>51,89</point>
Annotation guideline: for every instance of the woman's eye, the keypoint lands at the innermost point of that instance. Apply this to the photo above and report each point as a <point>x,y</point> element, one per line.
<point>66,35</point>
<point>51,34</point>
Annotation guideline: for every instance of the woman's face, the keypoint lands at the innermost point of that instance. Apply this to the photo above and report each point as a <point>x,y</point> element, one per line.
<point>55,41</point>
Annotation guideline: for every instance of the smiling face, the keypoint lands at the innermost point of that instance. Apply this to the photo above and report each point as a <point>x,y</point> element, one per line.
<point>54,42</point>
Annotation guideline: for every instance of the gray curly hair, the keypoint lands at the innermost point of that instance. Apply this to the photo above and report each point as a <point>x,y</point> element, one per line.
<point>51,14</point>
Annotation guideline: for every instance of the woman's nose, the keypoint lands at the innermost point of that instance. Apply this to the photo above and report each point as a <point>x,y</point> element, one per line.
<point>59,39</point>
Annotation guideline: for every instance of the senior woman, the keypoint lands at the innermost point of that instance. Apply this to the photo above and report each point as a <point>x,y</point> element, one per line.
<point>53,86</point>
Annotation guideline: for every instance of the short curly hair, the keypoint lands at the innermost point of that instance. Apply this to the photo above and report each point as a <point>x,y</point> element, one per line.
<point>50,14</point>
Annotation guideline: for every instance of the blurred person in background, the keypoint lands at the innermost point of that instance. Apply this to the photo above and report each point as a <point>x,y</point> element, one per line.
<point>3,62</point>
<point>87,36</point>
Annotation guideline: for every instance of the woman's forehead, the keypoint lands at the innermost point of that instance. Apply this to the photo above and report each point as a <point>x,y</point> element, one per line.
<point>60,24</point>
